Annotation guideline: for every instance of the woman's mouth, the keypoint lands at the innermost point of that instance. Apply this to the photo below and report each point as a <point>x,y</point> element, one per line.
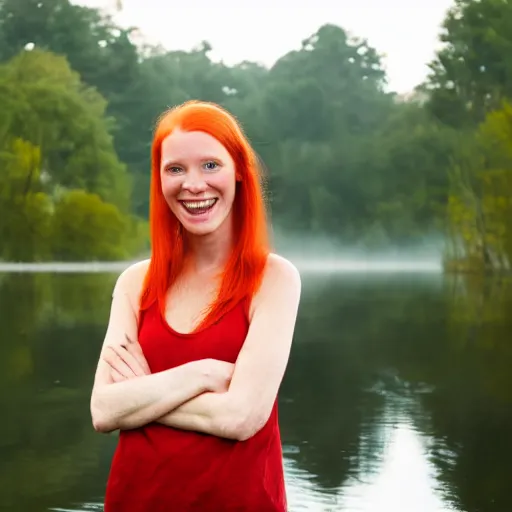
<point>199,207</point>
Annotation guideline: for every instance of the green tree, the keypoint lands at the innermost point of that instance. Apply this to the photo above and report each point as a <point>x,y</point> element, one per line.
<point>25,210</point>
<point>343,157</point>
<point>472,73</point>
<point>405,171</point>
<point>480,204</point>
<point>86,228</point>
<point>320,106</point>
<point>48,105</point>
<point>54,138</point>
<point>101,55</point>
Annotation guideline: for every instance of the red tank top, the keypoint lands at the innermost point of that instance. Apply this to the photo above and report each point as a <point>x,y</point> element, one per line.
<point>161,469</point>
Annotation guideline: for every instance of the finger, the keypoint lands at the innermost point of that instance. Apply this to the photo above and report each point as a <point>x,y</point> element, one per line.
<point>116,376</point>
<point>129,339</point>
<point>136,350</point>
<point>129,360</point>
<point>116,362</point>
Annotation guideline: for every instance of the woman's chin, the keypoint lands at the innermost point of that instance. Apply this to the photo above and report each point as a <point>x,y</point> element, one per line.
<point>199,227</point>
<point>201,230</point>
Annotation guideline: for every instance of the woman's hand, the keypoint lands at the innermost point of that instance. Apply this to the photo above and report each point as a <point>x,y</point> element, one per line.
<point>126,360</point>
<point>218,373</point>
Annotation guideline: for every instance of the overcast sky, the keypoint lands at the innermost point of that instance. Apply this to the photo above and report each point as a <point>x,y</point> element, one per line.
<point>405,31</point>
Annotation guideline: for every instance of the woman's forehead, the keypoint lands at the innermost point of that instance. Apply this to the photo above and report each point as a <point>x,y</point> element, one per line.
<point>192,146</point>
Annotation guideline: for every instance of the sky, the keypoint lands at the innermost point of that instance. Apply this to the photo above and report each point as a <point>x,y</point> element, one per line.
<point>405,32</point>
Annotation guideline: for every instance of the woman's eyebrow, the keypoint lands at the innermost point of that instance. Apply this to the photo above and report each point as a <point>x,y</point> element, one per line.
<point>177,161</point>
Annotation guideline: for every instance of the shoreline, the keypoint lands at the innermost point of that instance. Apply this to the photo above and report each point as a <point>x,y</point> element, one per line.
<point>317,265</point>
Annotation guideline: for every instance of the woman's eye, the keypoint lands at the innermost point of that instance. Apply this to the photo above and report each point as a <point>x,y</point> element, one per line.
<point>211,166</point>
<point>173,169</point>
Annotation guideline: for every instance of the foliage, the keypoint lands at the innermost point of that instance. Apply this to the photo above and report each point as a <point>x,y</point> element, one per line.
<point>87,228</point>
<point>480,203</point>
<point>345,158</point>
<point>54,138</point>
<point>472,73</point>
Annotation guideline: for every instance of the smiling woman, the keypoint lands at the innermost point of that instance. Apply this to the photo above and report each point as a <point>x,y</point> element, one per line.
<point>199,335</point>
<point>198,181</point>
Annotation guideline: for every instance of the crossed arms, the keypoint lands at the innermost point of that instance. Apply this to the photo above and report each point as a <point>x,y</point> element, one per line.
<point>233,401</point>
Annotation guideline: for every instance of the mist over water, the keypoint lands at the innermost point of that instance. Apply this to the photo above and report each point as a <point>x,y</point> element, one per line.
<point>322,254</point>
<point>311,254</point>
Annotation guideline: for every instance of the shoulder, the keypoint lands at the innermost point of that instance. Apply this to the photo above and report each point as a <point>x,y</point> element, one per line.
<point>280,287</point>
<point>282,271</point>
<point>131,281</point>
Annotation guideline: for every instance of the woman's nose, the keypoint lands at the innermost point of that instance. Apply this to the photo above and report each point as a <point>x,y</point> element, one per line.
<point>194,183</point>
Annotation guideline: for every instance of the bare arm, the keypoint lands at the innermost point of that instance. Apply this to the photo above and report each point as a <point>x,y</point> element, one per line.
<point>136,402</point>
<point>244,409</point>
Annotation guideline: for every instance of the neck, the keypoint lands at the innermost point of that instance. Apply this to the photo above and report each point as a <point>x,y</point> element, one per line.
<point>210,252</point>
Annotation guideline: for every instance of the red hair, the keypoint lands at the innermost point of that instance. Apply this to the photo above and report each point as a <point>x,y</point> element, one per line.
<point>243,272</point>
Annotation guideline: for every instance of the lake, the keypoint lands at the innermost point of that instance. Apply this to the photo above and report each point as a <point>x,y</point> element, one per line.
<point>397,397</point>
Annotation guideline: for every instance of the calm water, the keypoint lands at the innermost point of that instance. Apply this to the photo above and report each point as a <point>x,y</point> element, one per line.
<point>397,398</point>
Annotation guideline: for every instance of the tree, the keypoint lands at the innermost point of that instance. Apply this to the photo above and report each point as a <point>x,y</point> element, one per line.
<point>54,138</point>
<point>342,156</point>
<point>100,53</point>
<point>472,73</point>
<point>47,105</point>
<point>480,204</point>
<point>87,228</point>
<point>25,210</point>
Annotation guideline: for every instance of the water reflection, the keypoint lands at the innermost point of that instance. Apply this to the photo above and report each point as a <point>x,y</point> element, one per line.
<point>398,394</point>
<point>405,481</point>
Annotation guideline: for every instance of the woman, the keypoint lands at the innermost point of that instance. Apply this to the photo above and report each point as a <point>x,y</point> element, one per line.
<point>199,336</point>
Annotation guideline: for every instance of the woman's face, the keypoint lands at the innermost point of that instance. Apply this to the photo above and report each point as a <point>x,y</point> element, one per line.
<point>198,179</point>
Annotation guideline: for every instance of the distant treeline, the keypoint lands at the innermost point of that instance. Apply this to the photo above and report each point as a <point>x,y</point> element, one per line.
<point>345,158</point>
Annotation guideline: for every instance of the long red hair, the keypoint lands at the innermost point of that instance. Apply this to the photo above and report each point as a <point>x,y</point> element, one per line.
<point>243,271</point>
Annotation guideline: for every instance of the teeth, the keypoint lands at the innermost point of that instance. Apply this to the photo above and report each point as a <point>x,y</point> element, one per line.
<point>199,205</point>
